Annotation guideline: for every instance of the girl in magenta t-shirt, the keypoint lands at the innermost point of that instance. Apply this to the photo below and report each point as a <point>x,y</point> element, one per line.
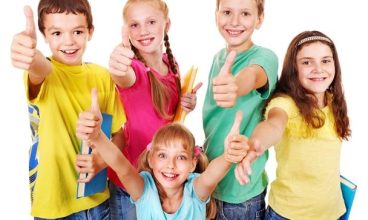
<point>149,85</point>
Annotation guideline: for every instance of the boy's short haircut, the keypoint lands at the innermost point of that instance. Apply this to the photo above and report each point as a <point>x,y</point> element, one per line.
<point>260,6</point>
<point>61,6</point>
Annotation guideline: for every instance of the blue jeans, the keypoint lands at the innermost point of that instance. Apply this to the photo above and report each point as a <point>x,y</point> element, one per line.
<point>272,215</point>
<point>121,208</point>
<point>253,208</point>
<point>100,212</point>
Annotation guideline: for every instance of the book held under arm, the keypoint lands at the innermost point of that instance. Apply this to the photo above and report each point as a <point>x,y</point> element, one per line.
<point>99,182</point>
<point>187,83</point>
<point>348,190</point>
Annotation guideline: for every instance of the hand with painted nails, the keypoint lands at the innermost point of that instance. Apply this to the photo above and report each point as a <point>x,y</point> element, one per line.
<point>223,86</point>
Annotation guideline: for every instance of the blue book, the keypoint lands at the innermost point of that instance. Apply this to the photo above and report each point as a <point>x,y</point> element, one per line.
<point>99,182</point>
<point>348,190</point>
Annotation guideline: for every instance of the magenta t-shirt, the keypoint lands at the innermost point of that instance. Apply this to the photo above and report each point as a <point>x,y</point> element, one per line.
<point>142,119</point>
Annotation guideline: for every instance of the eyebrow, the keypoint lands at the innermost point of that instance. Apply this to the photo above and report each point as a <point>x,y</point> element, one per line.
<point>58,28</point>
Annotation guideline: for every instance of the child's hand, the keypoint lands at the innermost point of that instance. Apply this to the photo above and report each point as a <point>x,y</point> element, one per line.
<point>89,163</point>
<point>23,47</point>
<point>188,101</point>
<point>243,170</point>
<point>223,86</point>
<point>89,122</point>
<point>121,57</point>
<point>236,146</point>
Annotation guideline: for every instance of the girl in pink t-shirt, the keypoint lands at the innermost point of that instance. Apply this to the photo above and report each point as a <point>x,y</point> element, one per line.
<point>149,86</point>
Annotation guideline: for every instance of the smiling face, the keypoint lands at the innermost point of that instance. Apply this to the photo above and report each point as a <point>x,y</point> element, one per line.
<point>316,68</point>
<point>147,26</point>
<point>236,21</point>
<point>171,165</point>
<point>67,36</point>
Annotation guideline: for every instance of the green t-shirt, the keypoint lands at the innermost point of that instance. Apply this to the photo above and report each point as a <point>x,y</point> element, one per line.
<point>217,121</point>
<point>64,94</point>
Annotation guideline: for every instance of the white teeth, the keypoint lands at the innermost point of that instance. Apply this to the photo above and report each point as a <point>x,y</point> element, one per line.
<point>146,42</point>
<point>234,32</point>
<point>170,175</point>
<point>69,51</point>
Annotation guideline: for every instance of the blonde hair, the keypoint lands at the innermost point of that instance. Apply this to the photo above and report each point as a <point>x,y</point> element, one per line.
<point>159,91</point>
<point>172,134</point>
<point>260,6</point>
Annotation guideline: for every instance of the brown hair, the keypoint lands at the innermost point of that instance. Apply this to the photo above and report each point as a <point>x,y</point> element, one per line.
<point>159,92</point>
<point>306,102</point>
<point>260,6</point>
<point>166,136</point>
<point>61,6</point>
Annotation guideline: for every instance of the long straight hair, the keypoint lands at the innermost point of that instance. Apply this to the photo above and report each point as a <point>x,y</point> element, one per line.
<point>304,99</point>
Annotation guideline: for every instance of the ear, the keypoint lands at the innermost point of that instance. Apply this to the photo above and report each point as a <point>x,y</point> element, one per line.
<point>168,25</point>
<point>259,21</point>
<point>149,160</point>
<point>91,31</point>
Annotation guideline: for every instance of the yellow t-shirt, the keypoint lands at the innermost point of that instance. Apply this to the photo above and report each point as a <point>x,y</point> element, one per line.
<point>307,182</point>
<point>64,94</point>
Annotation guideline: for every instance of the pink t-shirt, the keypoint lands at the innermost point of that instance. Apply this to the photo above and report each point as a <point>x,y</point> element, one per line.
<point>142,119</point>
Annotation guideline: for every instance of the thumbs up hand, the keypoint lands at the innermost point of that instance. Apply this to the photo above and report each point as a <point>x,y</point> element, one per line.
<point>89,122</point>
<point>121,57</point>
<point>223,86</point>
<point>236,145</point>
<point>23,47</point>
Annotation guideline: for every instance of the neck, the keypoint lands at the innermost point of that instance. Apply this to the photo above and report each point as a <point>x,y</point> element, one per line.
<point>154,61</point>
<point>321,100</point>
<point>173,199</point>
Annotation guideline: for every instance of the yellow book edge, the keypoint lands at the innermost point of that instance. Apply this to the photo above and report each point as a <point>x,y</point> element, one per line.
<point>187,84</point>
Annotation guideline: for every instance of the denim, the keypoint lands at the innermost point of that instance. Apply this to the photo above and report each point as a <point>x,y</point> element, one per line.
<point>252,209</point>
<point>100,212</point>
<point>272,215</point>
<point>121,207</point>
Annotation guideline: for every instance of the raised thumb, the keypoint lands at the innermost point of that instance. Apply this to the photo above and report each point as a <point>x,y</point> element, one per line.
<point>236,125</point>
<point>95,107</point>
<point>125,36</point>
<point>226,68</point>
<point>30,25</point>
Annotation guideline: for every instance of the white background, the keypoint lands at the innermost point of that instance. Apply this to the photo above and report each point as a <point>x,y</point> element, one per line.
<point>194,40</point>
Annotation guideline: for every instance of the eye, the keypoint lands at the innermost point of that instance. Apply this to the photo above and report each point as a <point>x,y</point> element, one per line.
<point>245,13</point>
<point>56,33</point>
<point>226,12</point>
<point>161,155</point>
<point>182,157</point>
<point>78,32</point>
<point>326,60</point>
<point>134,25</point>
<point>306,62</point>
<point>152,22</point>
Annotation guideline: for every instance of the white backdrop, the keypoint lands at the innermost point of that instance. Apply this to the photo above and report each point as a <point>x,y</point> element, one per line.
<point>194,40</point>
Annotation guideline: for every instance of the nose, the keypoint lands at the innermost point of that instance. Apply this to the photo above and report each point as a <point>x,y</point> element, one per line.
<point>171,163</point>
<point>68,39</point>
<point>144,30</point>
<point>234,20</point>
<point>318,68</point>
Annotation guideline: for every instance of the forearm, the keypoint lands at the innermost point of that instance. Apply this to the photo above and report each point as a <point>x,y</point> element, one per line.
<point>213,174</point>
<point>270,131</point>
<point>39,69</point>
<point>252,77</point>
<point>126,80</point>
<point>111,154</point>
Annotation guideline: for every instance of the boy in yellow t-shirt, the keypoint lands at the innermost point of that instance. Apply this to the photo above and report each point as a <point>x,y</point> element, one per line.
<point>58,89</point>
